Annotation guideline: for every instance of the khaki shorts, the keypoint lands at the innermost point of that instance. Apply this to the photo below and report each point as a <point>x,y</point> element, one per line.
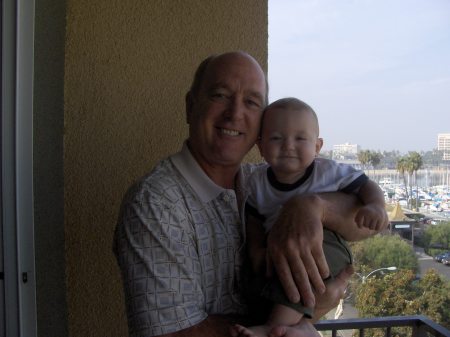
<point>338,256</point>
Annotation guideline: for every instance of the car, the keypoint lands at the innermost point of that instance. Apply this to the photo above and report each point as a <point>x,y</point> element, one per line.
<point>439,257</point>
<point>446,260</point>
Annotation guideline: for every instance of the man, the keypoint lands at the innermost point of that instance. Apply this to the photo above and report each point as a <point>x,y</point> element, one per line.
<point>179,238</point>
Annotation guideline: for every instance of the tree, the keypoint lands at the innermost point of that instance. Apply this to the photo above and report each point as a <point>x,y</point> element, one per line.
<point>435,297</point>
<point>367,157</point>
<point>433,158</point>
<point>400,293</point>
<point>364,157</point>
<point>383,251</point>
<point>389,159</point>
<point>415,164</point>
<point>374,160</point>
<point>402,168</point>
<point>438,235</point>
<point>410,164</point>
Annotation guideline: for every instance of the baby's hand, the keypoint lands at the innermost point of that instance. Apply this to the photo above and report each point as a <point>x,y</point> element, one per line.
<point>372,216</point>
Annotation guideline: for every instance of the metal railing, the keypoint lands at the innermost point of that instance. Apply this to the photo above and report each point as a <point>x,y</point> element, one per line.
<point>421,325</point>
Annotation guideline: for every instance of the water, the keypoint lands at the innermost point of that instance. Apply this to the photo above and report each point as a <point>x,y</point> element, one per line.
<point>425,178</point>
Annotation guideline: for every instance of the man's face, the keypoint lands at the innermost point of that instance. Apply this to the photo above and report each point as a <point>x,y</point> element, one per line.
<point>224,115</point>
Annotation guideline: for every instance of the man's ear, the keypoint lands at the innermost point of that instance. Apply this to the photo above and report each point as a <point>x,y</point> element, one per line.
<point>189,100</point>
<point>319,144</point>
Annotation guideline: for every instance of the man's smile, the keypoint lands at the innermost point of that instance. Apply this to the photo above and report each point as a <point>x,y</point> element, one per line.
<point>229,132</point>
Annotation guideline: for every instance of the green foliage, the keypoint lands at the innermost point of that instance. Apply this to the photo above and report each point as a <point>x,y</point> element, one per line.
<point>383,251</point>
<point>432,158</point>
<point>389,159</point>
<point>438,235</point>
<point>364,157</point>
<point>399,293</point>
<point>411,163</point>
<point>435,297</point>
<point>367,157</point>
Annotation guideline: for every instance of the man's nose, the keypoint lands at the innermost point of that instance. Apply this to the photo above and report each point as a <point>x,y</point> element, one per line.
<point>235,109</point>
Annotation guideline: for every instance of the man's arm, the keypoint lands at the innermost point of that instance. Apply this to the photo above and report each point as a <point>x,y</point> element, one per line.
<point>339,211</point>
<point>213,326</point>
<point>295,241</point>
<point>255,243</point>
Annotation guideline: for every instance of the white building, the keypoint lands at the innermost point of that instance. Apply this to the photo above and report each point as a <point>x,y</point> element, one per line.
<point>345,151</point>
<point>444,145</point>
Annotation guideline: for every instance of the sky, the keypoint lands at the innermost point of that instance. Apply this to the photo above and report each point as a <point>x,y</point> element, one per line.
<point>377,72</point>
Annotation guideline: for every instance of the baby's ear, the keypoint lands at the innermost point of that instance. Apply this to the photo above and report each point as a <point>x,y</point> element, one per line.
<point>319,144</point>
<point>258,143</point>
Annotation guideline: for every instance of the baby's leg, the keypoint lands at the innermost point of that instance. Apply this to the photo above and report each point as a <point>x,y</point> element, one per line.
<point>337,252</point>
<point>280,315</point>
<point>283,315</point>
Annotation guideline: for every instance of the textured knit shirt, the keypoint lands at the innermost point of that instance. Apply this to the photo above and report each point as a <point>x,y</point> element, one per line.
<point>179,242</point>
<point>267,195</point>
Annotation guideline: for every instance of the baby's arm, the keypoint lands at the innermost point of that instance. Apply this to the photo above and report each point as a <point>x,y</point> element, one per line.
<point>373,214</point>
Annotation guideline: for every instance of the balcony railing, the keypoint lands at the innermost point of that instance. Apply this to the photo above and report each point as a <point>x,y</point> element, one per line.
<point>421,326</point>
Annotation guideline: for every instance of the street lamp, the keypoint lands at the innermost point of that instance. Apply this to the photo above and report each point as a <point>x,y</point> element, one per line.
<point>340,307</point>
<point>365,277</point>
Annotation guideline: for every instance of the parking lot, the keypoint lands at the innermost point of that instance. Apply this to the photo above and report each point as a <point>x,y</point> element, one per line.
<point>426,262</point>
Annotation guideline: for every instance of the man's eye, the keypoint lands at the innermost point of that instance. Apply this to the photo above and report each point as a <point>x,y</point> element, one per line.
<point>275,138</point>
<point>218,94</point>
<point>253,103</point>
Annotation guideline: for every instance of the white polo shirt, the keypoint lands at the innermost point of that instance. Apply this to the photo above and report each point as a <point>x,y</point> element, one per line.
<point>179,245</point>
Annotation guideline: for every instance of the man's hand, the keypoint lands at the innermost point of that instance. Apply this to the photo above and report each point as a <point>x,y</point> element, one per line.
<point>335,291</point>
<point>294,247</point>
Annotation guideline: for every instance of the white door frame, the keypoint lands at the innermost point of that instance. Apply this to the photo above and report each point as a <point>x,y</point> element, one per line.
<point>18,286</point>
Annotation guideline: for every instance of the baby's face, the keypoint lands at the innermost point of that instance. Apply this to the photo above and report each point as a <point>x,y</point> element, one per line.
<point>289,141</point>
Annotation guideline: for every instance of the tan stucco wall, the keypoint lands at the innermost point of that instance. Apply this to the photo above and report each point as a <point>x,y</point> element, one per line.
<point>128,65</point>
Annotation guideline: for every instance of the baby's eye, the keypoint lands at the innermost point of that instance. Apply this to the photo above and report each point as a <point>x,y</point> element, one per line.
<point>275,138</point>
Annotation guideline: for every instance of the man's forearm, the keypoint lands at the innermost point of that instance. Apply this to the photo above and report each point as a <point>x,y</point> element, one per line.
<point>339,210</point>
<point>213,326</point>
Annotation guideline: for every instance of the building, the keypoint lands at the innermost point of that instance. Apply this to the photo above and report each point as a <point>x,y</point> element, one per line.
<point>345,151</point>
<point>444,145</point>
<point>90,79</point>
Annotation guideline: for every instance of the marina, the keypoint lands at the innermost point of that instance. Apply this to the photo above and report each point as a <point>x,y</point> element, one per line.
<point>428,192</point>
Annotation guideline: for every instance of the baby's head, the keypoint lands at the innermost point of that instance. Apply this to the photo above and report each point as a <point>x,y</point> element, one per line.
<point>289,104</point>
<point>289,138</point>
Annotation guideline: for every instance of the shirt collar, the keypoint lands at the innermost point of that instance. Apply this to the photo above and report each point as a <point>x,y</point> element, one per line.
<point>203,186</point>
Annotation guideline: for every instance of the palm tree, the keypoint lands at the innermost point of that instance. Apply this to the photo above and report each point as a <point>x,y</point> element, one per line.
<point>410,164</point>
<point>375,159</point>
<point>416,162</point>
<point>402,167</point>
<point>364,157</point>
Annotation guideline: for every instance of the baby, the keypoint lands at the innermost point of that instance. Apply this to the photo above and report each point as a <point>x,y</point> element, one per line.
<point>290,144</point>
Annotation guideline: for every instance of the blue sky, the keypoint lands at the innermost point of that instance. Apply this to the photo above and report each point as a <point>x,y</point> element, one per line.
<point>377,72</point>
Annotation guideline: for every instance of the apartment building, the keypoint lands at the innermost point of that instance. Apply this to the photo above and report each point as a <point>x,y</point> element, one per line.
<point>444,145</point>
<point>345,151</point>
